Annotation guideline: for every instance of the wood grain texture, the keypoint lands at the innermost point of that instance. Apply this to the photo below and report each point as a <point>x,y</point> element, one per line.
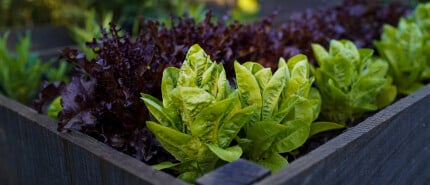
<point>33,152</point>
<point>391,147</point>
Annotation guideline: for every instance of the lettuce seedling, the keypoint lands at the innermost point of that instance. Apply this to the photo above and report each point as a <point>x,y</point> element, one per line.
<point>405,50</point>
<point>199,116</point>
<point>350,81</point>
<point>287,105</point>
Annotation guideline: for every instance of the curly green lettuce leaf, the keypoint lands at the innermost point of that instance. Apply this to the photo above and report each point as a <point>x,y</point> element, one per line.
<point>287,105</point>
<point>350,81</point>
<point>405,50</point>
<point>421,16</point>
<point>199,116</point>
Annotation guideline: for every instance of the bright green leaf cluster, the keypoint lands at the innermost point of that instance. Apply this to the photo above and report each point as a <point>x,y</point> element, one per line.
<point>21,73</point>
<point>421,16</point>
<point>405,50</point>
<point>199,117</point>
<point>351,83</point>
<point>91,29</point>
<point>201,113</point>
<point>55,108</point>
<point>287,105</point>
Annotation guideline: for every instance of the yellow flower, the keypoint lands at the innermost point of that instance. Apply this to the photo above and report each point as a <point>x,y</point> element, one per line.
<point>248,6</point>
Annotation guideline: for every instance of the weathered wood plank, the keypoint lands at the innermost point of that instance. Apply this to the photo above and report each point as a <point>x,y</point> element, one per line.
<point>391,147</point>
<point>33,152</point>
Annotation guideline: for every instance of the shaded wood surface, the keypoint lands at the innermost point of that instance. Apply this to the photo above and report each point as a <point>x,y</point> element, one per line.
<point>239,172</point>
<point>33,152</point>
<point>391,147</point>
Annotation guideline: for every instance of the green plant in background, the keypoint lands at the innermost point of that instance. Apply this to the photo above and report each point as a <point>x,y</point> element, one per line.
<point>16,13</point>
<point>125,14</point>
<point>350,81</point>
<point>287,105</point>
<point>411,3</point>
<point>406,52</point>
<point>71,12</point>
<point>21,73</point>
<point>421,16</point>
<point>199,117</point>
<point>23,13</point>
<point>91,29</point>
<point>417,2</point>
<point>57,74</point>
<point>194,9</point>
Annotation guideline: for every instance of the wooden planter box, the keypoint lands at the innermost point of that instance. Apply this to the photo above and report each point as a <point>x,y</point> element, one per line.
<point>391,147</point>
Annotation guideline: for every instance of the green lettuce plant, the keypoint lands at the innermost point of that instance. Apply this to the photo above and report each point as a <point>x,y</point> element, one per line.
<point>199,116</point>
<point>350,81</point>
<point>90,30</point>
<point>405,50</point>
<point>287,105</point>
<point>421,16</point>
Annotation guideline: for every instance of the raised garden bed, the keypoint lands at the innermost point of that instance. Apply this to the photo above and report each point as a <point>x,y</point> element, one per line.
<point>387,148</point>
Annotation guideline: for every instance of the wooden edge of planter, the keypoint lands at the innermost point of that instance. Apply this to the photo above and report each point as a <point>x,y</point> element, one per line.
<point>101,151</point>
<point>357,136</point>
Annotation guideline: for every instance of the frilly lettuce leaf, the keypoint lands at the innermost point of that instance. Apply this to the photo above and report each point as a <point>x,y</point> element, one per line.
<point>287,105</point>
<point>351,82</point>
<point>199,116</point>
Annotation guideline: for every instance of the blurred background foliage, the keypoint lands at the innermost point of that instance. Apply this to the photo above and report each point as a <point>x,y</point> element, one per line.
<point>21,69</point>
<point>83,19</point>
<point>28,13</point>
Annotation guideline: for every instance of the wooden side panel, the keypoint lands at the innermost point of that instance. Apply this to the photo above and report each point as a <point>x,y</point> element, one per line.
<point>33,152</point>
<point>391,147</point>
<point>239,172</point>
